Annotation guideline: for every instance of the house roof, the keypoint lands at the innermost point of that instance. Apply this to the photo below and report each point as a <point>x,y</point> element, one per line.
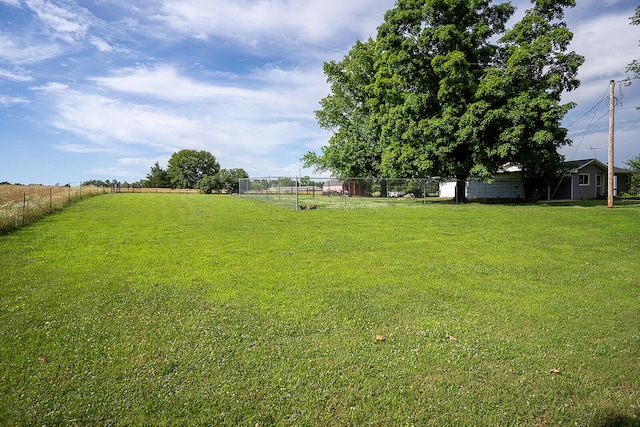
<point>623,171</point>
<point>510,168</point>
<point>579,164</point>
<point>333,181</point>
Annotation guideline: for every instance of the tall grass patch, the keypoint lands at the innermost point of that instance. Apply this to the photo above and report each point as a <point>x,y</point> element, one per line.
<point>20,205</point>
<point>195,310</point>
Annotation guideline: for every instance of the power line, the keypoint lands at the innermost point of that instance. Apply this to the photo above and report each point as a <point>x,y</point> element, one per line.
<point>590,109</point>
<point>618,100</point>
<point>589,125</point>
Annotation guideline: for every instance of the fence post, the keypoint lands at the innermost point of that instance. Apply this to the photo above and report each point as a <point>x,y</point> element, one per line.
<point>424,191</point>
<point>24,207</point>
<point>344,193</point>
<point>387,185</point>
<point>279,190</point>
<point>297,199</point>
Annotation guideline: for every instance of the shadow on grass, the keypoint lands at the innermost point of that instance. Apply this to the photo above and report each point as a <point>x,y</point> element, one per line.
<point>592,203</point>
<point>611,419</point>
<point>586,203</point>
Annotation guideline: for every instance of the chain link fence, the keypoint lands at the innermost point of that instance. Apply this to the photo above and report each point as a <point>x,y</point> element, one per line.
<point>311,193</point>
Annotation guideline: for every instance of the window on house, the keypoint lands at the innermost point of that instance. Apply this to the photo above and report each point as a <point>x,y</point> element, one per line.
<point>583,179</point>
<point>599,180</point>
<point>626,179</point>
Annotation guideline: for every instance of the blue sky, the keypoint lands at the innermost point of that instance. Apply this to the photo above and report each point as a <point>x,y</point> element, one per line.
<point>103,89</point>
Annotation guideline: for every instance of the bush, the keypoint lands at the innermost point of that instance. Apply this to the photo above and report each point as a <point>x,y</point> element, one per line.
<point>208,184</point>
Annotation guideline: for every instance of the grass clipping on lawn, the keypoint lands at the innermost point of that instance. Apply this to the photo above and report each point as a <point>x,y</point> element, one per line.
<point>197,310</point>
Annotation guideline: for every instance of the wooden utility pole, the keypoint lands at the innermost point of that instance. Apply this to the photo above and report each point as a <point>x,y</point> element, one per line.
<point>612,100</point>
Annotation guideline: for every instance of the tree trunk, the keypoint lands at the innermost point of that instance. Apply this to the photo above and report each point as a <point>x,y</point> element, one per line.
<point>383,187</point>
<point>461,191</point>
<point>533,193</point>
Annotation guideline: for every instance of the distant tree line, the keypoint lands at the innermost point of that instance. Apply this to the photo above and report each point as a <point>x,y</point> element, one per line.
<point>186,169</point>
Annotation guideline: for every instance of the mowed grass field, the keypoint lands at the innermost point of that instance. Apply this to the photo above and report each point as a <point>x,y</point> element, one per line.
<point>164,309</point>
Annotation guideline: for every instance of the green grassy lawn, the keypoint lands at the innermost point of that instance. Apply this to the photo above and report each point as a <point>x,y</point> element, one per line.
<point>156,309</point>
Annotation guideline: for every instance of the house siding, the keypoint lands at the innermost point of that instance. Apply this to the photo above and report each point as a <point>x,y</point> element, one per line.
<point>585,191</point>
<point>563,190</point>
<point>624,183</point>
<point>505,187</point>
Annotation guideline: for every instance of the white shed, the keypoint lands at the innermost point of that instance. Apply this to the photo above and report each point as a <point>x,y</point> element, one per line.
<point>507,184</point>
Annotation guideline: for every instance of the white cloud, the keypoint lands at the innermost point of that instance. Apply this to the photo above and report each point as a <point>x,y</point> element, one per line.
<point>605,57</point>
<point>268,92</point>
<point>16,77</point>
<point>114,171</point>
<point>70,23</point>
<point>15,3</point>
<point>248,117</point>
<point>261,22</point>
<point>163,82</point>
<point>100,44</point>
<point>137,161</point>
<point>25,51</point>
<point>52,87</point>
<point>108,120</point>
<point>69,147</point>
<point>6,100</point>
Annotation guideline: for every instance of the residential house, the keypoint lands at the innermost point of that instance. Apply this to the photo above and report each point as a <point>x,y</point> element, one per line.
<point>588,179</point>
<point>585,179</point>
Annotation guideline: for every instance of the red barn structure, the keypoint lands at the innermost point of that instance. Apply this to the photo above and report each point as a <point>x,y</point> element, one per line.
<point>350,187</point>
<point>355,187</point>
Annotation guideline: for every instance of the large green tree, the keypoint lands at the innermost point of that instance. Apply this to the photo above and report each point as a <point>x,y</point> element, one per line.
<point>187,167</point>
<point>453,94</point>
<point>433,55</point>
<point>354,147</point>
<point>516,113</point>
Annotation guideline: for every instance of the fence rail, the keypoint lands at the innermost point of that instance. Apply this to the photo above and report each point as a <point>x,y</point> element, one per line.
<point>155,190</point>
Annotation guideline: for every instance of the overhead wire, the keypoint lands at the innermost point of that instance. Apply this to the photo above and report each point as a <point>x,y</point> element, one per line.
<point>595,107</point>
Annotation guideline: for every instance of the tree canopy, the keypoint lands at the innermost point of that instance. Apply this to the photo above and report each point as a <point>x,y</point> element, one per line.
<point>226,180</point>
<point>634,165</point>
<point>157,177</point>
<point>195,169</point>
<point>446,90</point>
<point>187,167</point>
